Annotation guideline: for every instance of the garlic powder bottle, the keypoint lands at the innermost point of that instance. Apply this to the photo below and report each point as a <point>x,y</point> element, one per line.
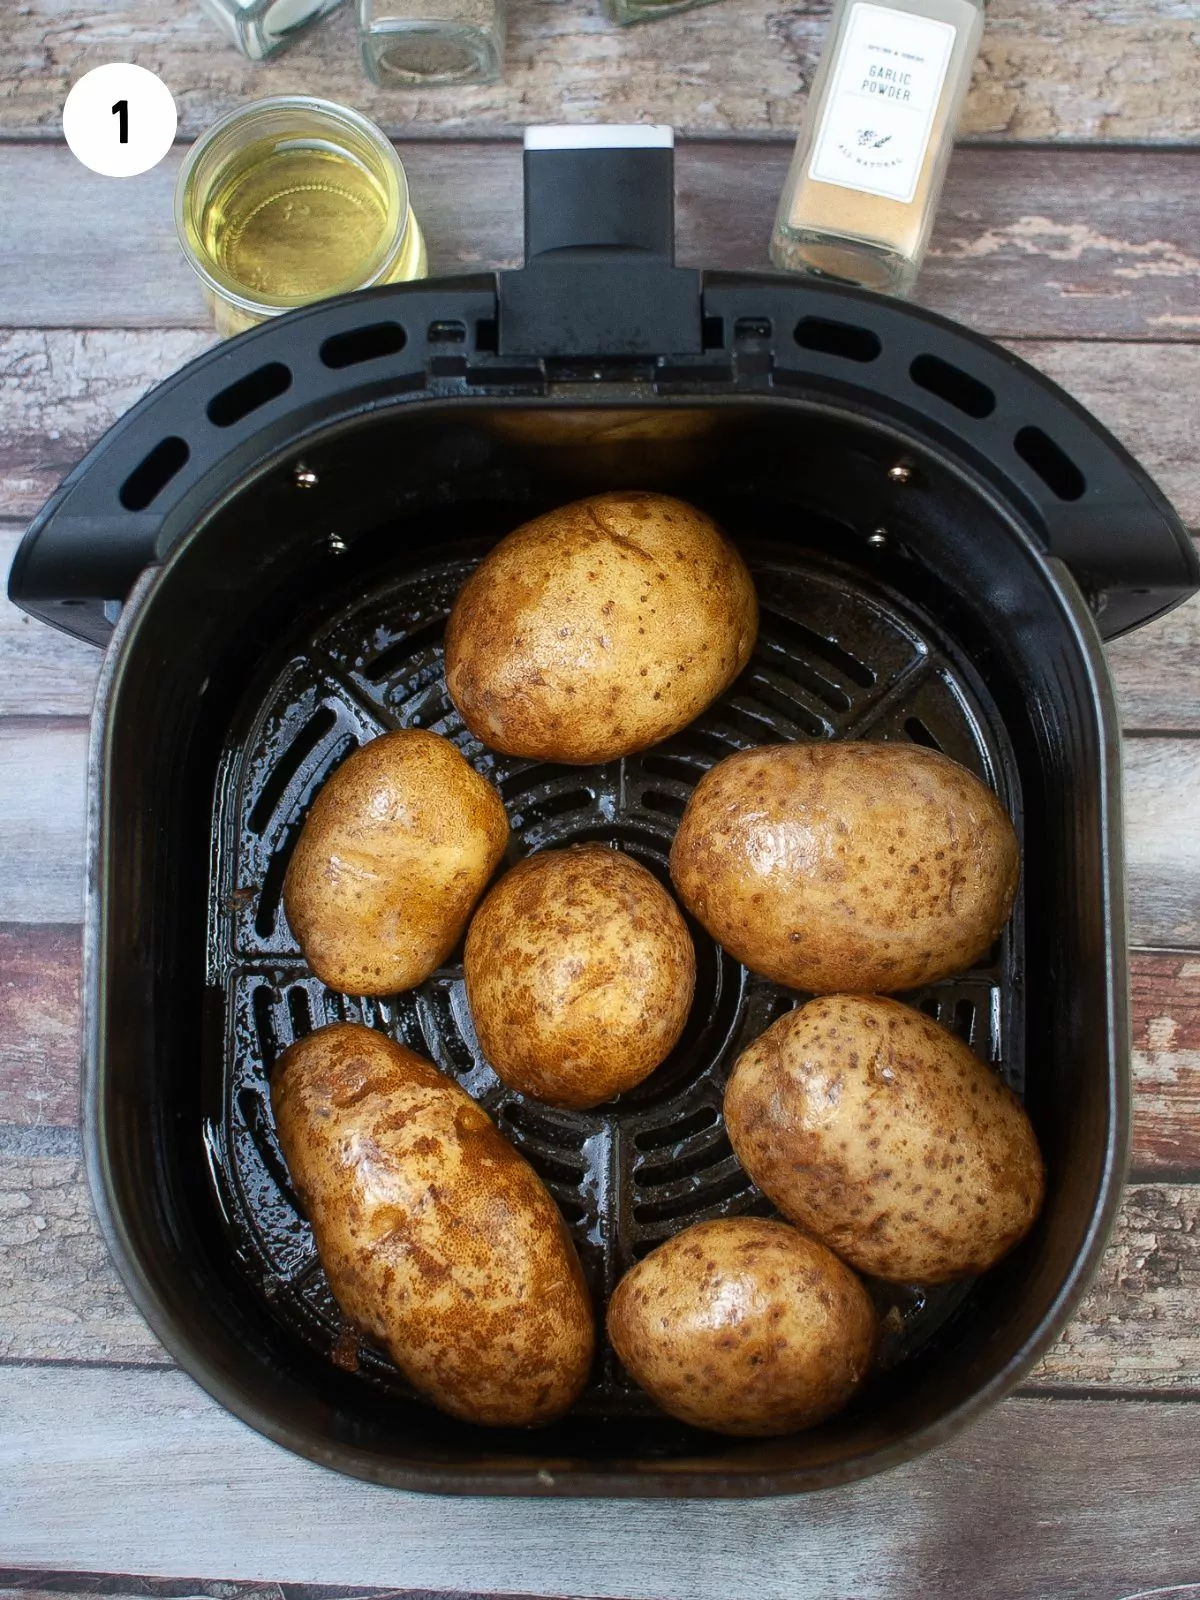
<point>871,158</point>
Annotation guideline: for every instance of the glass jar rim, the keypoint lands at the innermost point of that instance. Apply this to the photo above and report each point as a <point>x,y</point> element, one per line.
<point>336,118</point>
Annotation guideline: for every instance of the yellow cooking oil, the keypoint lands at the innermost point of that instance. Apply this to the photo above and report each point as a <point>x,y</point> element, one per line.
<point>295,223</point>
<point>290,201</point>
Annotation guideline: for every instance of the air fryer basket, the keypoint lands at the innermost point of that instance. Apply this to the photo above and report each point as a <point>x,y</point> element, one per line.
<point>840,655</point>
<point>309,499</point>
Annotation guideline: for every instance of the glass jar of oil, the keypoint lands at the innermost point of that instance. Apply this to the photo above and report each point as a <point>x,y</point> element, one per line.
<point>291,200</point>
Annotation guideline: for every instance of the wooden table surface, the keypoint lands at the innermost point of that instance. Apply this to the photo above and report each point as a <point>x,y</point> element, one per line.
<point>1071,231</point>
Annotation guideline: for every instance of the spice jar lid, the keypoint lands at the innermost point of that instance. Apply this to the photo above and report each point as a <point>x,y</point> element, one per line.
<point>294,199</point>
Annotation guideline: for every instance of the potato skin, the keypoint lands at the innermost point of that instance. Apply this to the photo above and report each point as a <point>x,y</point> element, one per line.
<point>744,1326</point>
<point>877,1131</point>
<point>848,867</point>
<point>599,629</point>
<point>437,1238</point>
<point>398,846</point>
<point>580,973</point>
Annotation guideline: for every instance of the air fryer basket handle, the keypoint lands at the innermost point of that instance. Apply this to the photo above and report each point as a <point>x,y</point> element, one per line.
<point>599,189</point>
<point>600,278</point>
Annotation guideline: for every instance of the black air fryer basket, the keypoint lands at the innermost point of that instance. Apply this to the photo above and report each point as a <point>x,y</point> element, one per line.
<point>269,545</point>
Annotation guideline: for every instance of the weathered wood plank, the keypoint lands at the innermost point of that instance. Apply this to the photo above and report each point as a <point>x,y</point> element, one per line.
<point>1157,673</point>
<point>27,1584</point>
<point>1106,70</point>
<point>1029,243</point>
<point>42,820</point>
<point>41,830</point>
<point>1166,1062</point>
<point>61,1299</point>
<point>59,390</point>
<point>40,1021</point>
<point>1139,1327</point>
<point>1162,789</point>
<point>1039,1497</point>
<point>1084,259</point>
<point>42,672</point>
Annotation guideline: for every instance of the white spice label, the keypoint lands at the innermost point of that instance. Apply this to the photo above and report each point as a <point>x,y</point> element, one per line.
<point>883,95</point>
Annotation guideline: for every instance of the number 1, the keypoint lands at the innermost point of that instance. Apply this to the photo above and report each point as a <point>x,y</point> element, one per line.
<point>121,110</point>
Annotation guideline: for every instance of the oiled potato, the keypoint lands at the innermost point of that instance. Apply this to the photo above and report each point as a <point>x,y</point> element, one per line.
<point>439,1241</point>
<point>744,1326</point>
<point>398,846</point>
<point>847,867</point>
<point>580,972</point>
<point>599,629</point>
<point>877,1131</point>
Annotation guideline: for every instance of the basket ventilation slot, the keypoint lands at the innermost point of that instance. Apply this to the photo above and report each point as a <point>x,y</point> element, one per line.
<point>288,765</point>
<point>427,637</point>
<point>147,480</point>
<point>677,1131</point>
<point>700,1196</point>
<point>920,734</point>
<point>838,339</point>
<point>356,345</point>
<point>805,642</point>
<point>713,333</point>
<point>655,1175</point>
<point>249,394</point>
<point>670,805</point>
<point>1051,463</point>
<point>953,385</point>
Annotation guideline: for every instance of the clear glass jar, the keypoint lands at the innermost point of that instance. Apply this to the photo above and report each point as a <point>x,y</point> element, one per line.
<point>408,43</point>
<point>871,159</point>
<point>260,27</point>
<point>291,200</point>
<point>625,11</point>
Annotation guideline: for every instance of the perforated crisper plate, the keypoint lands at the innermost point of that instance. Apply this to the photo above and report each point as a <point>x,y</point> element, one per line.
<point>839,656</point>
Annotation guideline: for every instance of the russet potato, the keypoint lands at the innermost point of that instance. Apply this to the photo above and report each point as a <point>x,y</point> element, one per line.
<point>580,971</point>
<point>879,1132</point>
<point>439,1241</point>
<point>744,1326</point>
<point>599,629</point>
<point>398,846</point>
<point>851,867</point>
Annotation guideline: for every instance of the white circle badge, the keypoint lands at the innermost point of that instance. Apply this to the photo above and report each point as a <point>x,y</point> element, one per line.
<point>120,120</point>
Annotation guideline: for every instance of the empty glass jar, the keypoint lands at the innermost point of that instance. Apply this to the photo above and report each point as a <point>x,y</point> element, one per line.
<point>260,27</point>
<point>408,43</point>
